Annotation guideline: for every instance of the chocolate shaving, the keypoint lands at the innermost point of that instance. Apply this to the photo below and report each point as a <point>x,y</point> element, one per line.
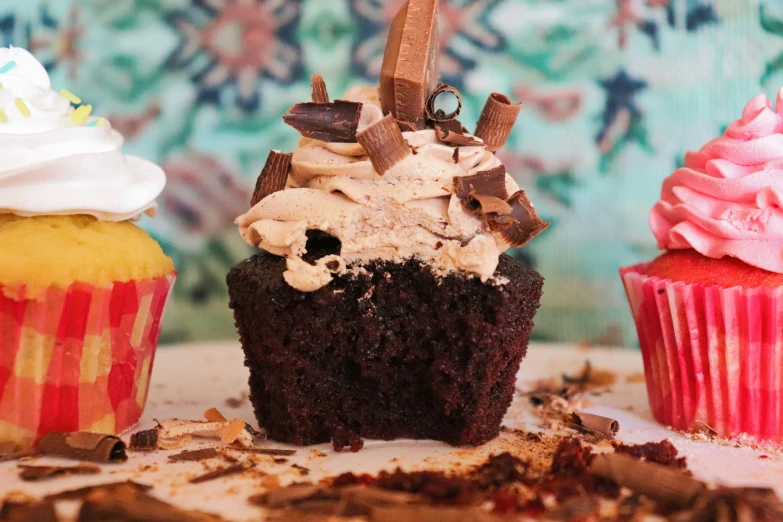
<point>384,144</point>
<point>293,495</point>
<point>94,447</point>
<point>202,454</point>
<point>453,133</point>
<point>455,156</point>
<point>28,511</point>
<point>419,513</point>
<point>654,481</point>
<point>437,114</point>
<point>301,469</point>
<point>522,225</point>
<point>320,94</point>
<point>273,176</point>
<point>490,182</point>
<point>223,472</point>
<point>35,473</point>
<point>496,121</point>
<point>128,504</point>
<point>80,493</point>
<point>595,424</point>
<point>410,62</point>
<point>144,440</point>
<point>265,451</point>
<point>584,376</point>
<point>334,122</point>
<point>16,455</point>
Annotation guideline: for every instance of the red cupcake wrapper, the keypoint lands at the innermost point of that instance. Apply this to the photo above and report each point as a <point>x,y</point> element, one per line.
<point>77,358</point>
<point>711,354</point>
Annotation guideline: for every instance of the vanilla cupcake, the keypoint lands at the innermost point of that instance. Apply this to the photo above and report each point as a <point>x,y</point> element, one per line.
<point>82,288</point>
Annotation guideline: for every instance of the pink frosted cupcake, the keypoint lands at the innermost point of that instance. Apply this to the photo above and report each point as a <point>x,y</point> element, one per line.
<point>709,311</point>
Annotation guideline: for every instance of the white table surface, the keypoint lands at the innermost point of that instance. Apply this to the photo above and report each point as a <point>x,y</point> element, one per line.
<point>187,380</point>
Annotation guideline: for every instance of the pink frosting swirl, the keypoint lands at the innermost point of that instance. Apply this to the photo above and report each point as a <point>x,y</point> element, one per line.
<point>728,199</point>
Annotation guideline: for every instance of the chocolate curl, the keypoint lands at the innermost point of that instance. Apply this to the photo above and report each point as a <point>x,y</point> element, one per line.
<point>496,121</point>
<point>384,144</point>
<point>522,225</point>
<point>265,451</point>
<point>273,176</point>
<point>94,447</point>
<point>654,481</point>
<point>437,114</point>
<point>453,133</point>
<point>144,440</point>
<point>35,473</point>
<point>410,62</point>
<point>334,122</point>
<point>320,94</point>
<point>595,424</point>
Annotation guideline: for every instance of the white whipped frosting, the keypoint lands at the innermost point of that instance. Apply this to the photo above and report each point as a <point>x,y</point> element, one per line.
<point>410,211</point>
<point>51,165</point>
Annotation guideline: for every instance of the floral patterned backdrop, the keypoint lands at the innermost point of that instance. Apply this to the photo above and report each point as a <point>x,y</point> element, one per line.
<point>615,92</point>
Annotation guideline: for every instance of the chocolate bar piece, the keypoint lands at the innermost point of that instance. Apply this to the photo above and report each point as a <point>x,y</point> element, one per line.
<point>410,63</point>
<point>334,122</point>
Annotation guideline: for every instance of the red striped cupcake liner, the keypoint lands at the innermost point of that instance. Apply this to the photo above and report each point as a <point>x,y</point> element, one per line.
<point>77,358</point>
<point>711,355</point>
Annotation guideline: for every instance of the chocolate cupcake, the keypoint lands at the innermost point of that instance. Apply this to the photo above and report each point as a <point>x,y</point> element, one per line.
<point>382,304</point>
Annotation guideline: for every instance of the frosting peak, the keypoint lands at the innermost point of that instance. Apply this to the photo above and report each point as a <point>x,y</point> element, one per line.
<point>410,210</point>
<point>726,201</point>
<point>60,160</point>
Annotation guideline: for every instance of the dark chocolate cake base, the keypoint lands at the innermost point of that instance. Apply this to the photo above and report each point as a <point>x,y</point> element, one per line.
<point>395,353</point>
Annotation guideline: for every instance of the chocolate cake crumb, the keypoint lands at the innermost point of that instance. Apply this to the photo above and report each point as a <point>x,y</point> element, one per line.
<point>662,452</point>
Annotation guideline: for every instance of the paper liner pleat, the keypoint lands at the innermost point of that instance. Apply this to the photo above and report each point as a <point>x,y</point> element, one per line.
<point>77,358</point>
<point>711,355</point>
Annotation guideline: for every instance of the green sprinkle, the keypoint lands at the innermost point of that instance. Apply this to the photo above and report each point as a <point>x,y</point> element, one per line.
<point>3,117</point>
<point>7,67</point>
<point>71,97</point>
<point>22,107</point>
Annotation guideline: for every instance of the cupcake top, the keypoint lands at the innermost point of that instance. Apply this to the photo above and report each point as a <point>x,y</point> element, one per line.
<point>391,176</point>
<point>58,159</point>
<point>727,199</point>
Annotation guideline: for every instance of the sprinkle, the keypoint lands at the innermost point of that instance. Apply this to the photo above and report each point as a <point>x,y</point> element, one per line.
<point>97,122</point>
<point>3,117</point>
<point>1,85</point>
<point>81,114</point>
<point>71,97</point>
<point>22,107</point>
<point>101,121</point>
<point>7,67</point>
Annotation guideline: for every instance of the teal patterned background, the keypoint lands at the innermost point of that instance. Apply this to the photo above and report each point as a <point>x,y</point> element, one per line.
<point>615,92</point>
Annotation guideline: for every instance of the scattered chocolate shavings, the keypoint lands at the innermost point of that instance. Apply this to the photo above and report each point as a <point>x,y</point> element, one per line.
<point>334,122</point>
<point>80,493</point>
<point>439,115</point>
<point>28,511</point>
<point>280,460</point>
<point>584,376</point>
<point>455,156</point>
<point>144,440</point>
<point>496,121</point>
<point>293,495</point>
<point>202,454</point>
<point>490,182</point>
<point>35,473</point>
<point>384,144</point>
<point>129,504</point>
<point>522,225</point>
<point>453,133</point>
<point>265,451</point>
<point>595,425</point>
<point>320,94</point>
<point>663,453</point>
<point>273,177</point>
<point>659,483</point>
<point>223,472</point>
<point>734,505</point>
<point>301,469</point>
<point>94,447</point>
<point>409,71</point>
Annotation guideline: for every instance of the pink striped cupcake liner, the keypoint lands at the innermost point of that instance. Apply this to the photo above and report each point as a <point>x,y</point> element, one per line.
<point>711,355</point>
<point>77,358</point>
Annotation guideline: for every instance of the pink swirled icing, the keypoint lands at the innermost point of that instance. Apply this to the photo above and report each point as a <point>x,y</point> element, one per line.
<point>728,199</point>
